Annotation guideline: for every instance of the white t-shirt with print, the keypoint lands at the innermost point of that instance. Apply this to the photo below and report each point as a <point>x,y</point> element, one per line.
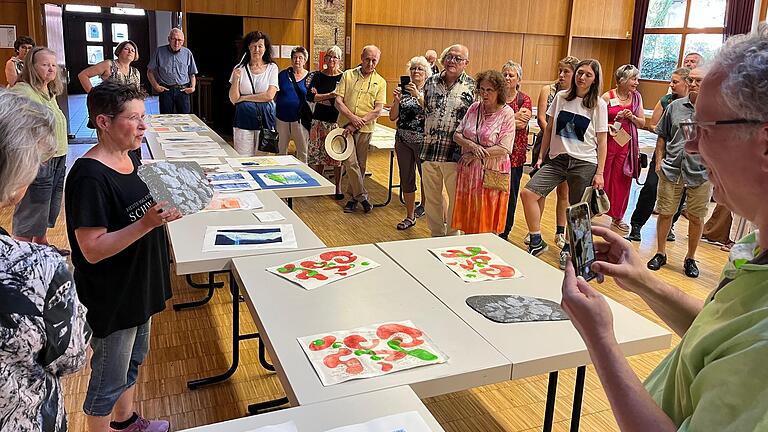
<point>261,82</point>
<point>575,128</point>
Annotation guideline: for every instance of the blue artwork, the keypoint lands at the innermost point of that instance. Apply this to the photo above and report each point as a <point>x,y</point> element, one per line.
<point>281,178</point>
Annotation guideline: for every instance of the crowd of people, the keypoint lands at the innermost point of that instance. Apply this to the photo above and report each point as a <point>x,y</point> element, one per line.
<point>467,137</point>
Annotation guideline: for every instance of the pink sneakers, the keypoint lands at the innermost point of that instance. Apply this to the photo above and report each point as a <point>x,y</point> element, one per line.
<point>143,425</point>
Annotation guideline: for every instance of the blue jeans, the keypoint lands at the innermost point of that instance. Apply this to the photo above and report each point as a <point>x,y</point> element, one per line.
<point>114,367</point>
<point>174,101</point>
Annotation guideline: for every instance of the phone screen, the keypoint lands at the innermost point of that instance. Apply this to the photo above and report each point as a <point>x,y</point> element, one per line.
<point>580,236</point>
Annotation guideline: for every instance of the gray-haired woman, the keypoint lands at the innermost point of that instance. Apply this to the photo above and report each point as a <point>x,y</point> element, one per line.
<point>407,110</point>
<point>44,333</point>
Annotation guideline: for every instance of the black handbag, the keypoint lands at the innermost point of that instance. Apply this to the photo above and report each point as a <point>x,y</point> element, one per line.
<point>268,137</point>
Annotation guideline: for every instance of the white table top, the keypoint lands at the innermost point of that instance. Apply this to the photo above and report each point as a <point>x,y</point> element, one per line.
<point>532,347</point>
<point>325,188</point>
<point>383,138</point>
<point>323,416</point>
<point>157,151</point>
<point>284,311</point>
<point>186,235</point>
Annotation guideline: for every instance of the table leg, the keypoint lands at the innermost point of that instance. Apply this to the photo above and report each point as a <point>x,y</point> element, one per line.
<point>290,203</point>
<point>578,395</point>
<point>210,285</point>
<point>260,407</point>
<point>390,186</point>
<point>194,284</point>
<point>549,411</point>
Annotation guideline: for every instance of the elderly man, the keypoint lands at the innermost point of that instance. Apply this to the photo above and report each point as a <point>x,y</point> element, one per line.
<point>680,172</point>
<point>431,56</point>
<point>715,379</point>
<point>692,60</point>
<point>360,96</point>
<point>171,72</point>
<point>447,96</point>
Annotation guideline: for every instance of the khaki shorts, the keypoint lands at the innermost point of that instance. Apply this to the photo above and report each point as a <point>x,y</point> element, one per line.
<point>669,194</point>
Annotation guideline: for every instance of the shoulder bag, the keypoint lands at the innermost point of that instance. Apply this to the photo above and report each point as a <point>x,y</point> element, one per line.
<point>305,112</point>
<point>492,179</point>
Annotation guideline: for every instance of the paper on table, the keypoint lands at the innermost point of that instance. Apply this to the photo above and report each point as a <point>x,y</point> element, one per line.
<point>410,421</point>
<point>217,169</point>
<point>254,161</point>
<point>234,201</point>
<point>235,186</point>
<point>249,237</point>
<point>203,161</point>
<point>195,128</point>
<point>180,184</point>
<point>270,216</point>
<point>475,263</point>
<point>162,129</point>
<point>288,426</point>
<point>228,177</point>
<point>181,154</point>
<point>369,351</point>
<point>318,270</point>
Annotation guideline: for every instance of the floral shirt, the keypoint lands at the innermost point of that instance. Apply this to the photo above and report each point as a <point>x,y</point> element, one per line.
<point>43,335</point>
<point>496,130</point>
<point>517,158</point>
<point>444,107</point>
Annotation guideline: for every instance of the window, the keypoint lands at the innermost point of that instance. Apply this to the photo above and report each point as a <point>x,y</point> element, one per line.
<point>676,27</point>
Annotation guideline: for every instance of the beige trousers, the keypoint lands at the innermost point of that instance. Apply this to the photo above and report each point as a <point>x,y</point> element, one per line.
<point>354,166</point>
<point>435,176</point>
<point>293,131</point>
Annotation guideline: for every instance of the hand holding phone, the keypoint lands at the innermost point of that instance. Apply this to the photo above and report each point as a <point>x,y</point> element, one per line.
<point>580,240</point>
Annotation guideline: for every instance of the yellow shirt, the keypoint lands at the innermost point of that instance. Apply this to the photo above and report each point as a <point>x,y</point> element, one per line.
<point>49,101</point>
<point>361,94</point>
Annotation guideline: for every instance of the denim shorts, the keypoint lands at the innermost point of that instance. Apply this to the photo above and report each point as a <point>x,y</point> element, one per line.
<point>576,172</point>
<point>114,367</point>
<point>39,208</point>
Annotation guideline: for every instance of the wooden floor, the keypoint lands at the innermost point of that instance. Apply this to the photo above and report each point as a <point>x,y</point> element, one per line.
<point>197,343</point>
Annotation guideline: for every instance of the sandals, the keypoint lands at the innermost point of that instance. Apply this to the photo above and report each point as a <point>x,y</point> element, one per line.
<point>620,225</point>
<point>406,223</point>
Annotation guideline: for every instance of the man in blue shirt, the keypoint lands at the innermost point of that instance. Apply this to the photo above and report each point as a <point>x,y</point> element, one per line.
<point>172,74</point>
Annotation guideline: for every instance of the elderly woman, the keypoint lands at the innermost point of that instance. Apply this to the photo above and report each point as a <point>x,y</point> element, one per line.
<point>486,135</point>
<point>521,105</point>
<point>715,379</point>
<point>44,334</point>
<point>625,115</point>
<point>320,91</point>
<point>15,65</point>
<point>39,208</point>
<point>120,254</point>
<point>118,70</point>
<point>290,98</point>
<point>408,112</point>
<point>252,91</point>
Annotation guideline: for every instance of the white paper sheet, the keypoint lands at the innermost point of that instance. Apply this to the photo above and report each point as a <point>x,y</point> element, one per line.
<point>186,154</point>
<point>203,161</point>
<point>410,421</point>
<point>475,263</point>
<point>321,269</point>
<point>216,178</point>
<point>234,201</point>
<point>249,237</point>
<point>270,216</point>
<point>369,351</point>
<point>235,186</point>
<point>261,161</point>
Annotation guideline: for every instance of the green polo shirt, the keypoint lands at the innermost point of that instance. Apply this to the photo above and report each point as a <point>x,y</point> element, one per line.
<point>49,101</point>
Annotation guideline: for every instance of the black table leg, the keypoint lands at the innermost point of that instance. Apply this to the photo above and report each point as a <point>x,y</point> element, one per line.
<point>390,186</point>
<point>549,411</point>
<point>210,285</point>
<point>578,396</point>
<point>194,284</point>
<point>290,202</point>
<point>260,407</point>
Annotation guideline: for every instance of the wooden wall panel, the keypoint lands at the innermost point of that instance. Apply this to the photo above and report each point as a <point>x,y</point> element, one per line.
<point>412,14</point>
<point>617,21</point>
<point>508,15</point>
<point>264,8</point>
<point>604,50</point>
<point>652,91</point>
<point>540,57</point>
<point>587,17</point>
<point>498,48</point>
<point>13,13</point>
<point>377,12</point>
<point>466,16</point>
<point>549,17</point>
<point>280,31</point>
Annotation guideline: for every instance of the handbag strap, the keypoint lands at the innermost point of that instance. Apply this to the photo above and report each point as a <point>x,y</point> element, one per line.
<point>295,86</point>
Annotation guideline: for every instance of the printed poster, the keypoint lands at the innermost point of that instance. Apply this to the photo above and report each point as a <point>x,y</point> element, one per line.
<point>181,184</point>
<point>318,270</point>
<point>249,237</point>
<point>475,263</point>
<point>369,351</point>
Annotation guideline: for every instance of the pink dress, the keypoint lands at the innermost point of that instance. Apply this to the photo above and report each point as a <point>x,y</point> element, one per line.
<point>477,209</point>
<point>617,184</point>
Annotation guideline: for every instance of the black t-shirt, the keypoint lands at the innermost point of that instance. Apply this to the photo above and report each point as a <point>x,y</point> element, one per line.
<point>323,84</point>
<point>126,289</point>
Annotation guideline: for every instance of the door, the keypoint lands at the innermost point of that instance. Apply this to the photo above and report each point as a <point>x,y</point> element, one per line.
<point>90,37</point>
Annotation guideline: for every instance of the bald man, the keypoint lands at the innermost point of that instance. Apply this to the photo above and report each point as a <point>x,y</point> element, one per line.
<point>171,72</point>
<point>431,56</point>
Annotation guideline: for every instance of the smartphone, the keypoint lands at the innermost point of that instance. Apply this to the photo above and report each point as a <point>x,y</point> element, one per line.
<point>580,239</point>
<point>404,81</point>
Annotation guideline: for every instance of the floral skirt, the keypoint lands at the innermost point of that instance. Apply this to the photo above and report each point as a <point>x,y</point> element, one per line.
<point>477,209</point>
<point>316,154</point>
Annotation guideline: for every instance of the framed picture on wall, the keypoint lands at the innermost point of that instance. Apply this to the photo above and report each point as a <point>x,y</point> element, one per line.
<point>95,54</point>
<point>119,32</point>
<point>93,32</point>
<point>7,36</point>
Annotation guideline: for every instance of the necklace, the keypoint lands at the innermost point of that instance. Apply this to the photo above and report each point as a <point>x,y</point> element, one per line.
<point>618,95</point>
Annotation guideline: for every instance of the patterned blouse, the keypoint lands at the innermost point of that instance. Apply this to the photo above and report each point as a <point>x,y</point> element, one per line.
<point>517,158</point>
<point>444,107</point>
<point>133,77</point>
<point>43,336</point>
<point>497,129</point>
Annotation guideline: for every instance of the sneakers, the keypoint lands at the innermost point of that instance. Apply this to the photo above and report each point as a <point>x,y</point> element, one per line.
<point>527,239</point>
<point>560,240</point>
<point>538,249</point>
<point>350,207</point>
<point>367,207</point>
<point>690,268</point>
<point>143,425</point>
<point>657,262</point>
<point>634,234</point>
<point>671,235</point>
<point>504,235</point>
<point>420,212</point>
<point>564,257</point>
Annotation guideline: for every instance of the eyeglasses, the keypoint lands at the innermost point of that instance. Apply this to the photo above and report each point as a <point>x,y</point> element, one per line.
<point>417,68</point>
<point>454,58</point>
<point>486,90</point>
<point>690,128</point>
<point>134,118</point>
<point>690,80</point>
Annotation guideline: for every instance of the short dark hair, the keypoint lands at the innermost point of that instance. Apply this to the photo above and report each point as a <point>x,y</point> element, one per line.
<point>109,98</point>
<point>496,79</point>
<point>300,49</point>
<point>23,40</point>
<point>589,101</point>
<point>253,37</point>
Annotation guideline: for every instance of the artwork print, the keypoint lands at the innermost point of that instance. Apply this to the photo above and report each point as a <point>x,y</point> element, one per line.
<point>249,237</point>
<point>282,178</point>
<point>572,126</point>
<point>475,263</point>
<point>318,270</point>
<point>516,308</point>
<point>369,351</point>
<point>180,184</point>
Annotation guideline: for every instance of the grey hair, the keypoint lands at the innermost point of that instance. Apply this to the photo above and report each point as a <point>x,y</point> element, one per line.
<point>334,50</point>
<point>625,72</point>
<point>743,64</point>
<point>175,30</point>
<point>517,67</point>
<point>27,137</point>
<point>419,61</point>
